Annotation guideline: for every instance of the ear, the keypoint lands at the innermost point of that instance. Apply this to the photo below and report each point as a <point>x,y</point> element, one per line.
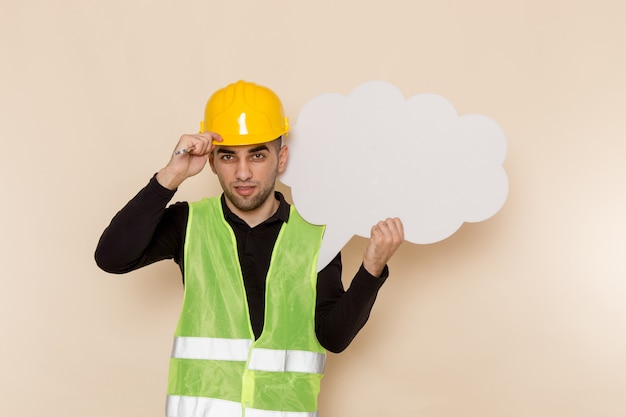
<point>283,156</point>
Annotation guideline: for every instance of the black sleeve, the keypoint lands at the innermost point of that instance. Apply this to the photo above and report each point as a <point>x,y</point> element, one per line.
<point>144,231</point>
<point>340,314</point>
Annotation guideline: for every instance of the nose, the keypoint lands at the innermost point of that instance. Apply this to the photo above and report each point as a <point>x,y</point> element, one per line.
<point>243,172</point>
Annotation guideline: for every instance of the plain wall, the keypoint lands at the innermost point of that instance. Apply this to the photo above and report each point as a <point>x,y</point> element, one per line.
<point>521,315</point>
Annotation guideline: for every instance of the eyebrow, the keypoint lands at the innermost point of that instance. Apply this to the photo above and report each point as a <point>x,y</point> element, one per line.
<point>253,150</point>
<point>259,148</point>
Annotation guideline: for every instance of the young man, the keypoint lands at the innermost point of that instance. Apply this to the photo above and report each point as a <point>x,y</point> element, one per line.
<point>256,318</point>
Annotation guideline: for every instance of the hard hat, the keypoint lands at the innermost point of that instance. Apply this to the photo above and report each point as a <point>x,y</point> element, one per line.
<point>244,113</point>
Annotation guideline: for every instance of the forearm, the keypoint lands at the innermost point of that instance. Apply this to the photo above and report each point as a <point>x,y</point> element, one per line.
<point>340,314</point>
<point>131,239</point>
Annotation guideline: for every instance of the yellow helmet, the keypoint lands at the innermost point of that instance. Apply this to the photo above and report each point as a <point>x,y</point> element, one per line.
<point>244,113</point>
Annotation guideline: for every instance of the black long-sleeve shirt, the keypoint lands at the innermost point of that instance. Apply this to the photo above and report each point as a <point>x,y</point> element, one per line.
<point>146,230</point>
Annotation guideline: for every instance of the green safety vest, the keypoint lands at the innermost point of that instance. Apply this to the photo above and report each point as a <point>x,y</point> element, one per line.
<point>217,369</point>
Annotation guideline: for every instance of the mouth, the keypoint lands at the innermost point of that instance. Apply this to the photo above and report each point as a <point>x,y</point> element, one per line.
<point>244,190</point>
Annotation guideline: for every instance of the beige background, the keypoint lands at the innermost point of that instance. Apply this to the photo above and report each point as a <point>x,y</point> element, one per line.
<point>521,315</point>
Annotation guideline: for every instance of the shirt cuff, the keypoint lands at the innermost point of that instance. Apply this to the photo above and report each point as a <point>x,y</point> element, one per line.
<point>369,280</point>
<point>157,188</point>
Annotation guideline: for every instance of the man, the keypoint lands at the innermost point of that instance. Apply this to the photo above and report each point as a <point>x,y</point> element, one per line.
<point>256,318</point>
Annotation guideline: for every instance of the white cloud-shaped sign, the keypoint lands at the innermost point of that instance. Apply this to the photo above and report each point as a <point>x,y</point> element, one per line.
<point>358,159</point>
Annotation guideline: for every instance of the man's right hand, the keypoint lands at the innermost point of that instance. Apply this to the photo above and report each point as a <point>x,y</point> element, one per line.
<point>183,165</point>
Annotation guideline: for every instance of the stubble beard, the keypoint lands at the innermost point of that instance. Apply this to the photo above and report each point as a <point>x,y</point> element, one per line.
<point>254,201</point>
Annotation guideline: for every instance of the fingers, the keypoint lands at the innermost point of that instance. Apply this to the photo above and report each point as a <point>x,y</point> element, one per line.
<point>197,144</point>
<point>386,237</point>
<point>389,231</point>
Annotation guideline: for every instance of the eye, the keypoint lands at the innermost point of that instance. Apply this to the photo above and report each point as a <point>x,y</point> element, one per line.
<point>257,156</point>
<point>226,157</point>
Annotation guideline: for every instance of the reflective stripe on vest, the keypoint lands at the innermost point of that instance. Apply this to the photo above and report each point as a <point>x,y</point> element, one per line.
<point>209,407</point>
<point>185,406</point>
<point>270,360</point>
<point>211,348</point>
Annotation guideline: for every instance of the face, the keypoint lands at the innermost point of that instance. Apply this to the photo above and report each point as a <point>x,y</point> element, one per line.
<point>248,174</point>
